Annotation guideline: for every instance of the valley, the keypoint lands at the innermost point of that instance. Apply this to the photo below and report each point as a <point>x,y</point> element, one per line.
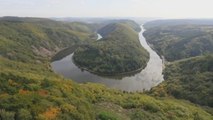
<point>132,81</point>
<point>31,90</point>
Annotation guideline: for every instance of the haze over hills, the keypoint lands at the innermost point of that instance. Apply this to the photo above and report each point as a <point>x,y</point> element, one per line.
<point>174,22</point>
<point>139,20</point>
<point>30,90</point>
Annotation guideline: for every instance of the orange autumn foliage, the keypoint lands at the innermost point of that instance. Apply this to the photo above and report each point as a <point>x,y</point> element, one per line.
<point>51,113</point>
<point>23,92</point>
<point>43,92</point>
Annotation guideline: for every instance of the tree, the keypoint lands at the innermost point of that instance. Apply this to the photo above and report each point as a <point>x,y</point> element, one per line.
<point>24,114</point>
<point>4,115</point>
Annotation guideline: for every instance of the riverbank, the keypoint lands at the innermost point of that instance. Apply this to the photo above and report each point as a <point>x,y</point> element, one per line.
<point>70,50</point>
<point>63,53</point>
<point>110,75</point>
<point>141,81</point>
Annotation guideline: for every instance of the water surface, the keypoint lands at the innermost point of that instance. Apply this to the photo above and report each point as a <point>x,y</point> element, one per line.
<point>144,80</point>
<point>99,36</point>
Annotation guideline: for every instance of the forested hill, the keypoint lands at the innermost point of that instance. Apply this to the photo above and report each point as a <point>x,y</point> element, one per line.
<point>190,79</point>
<point>176,42</point>
<point>189,49</point>
<point>110,26</point>
<point>26,39</point>
<point>30,91</point>
<point>118,52</point>
<point>130,23</point>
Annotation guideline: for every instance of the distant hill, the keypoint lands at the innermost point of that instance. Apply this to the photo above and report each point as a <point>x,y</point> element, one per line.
<point>130,23</point>
<point>82,19</point>
<point>119,51</point>
<point>174,22</point>
<point>180,41</point>
<point>111,26</point>
<point>98,23</point>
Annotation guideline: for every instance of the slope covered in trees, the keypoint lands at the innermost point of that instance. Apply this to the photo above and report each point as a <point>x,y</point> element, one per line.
<point>188,46</point>
<point>30,91</point>
<point>119,51</point>
<point>106,24</point>
<point>176,42</point>
<point>26,39</point>
<point>190,79</point>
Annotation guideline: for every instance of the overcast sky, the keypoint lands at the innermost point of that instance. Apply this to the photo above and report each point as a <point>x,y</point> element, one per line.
<point>108,8</point>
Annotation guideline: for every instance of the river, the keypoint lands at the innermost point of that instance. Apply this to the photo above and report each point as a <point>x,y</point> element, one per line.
<point>149,77</point>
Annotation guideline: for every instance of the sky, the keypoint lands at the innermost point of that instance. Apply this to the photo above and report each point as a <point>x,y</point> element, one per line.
<point>108,8</point>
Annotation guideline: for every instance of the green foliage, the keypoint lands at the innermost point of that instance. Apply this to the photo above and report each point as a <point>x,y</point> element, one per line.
<point>118,52</point>
<point>82,27</point>
<point>62,99</point>
<point>180,41</point>
<point>106,116</point>
<point>107,29</point>
<point>189,79</point>
<point>143,115</point>
<point>4,115</point>
<point>27,39</point>
<point>24,114</point>
<point>33,91</point>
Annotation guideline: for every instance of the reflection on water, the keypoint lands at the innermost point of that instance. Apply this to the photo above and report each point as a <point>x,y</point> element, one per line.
<point>99,36</point>
<point>145,80</point>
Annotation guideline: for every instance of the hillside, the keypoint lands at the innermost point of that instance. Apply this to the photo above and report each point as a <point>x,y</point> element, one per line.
<point>130,23</point>
<point>176,42</point>
<point>189,79</point>
<point>119,51</point>
<point>109,26</point>
<point>26,39</point>
<point>30,91</point>
<point>188,46</point>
